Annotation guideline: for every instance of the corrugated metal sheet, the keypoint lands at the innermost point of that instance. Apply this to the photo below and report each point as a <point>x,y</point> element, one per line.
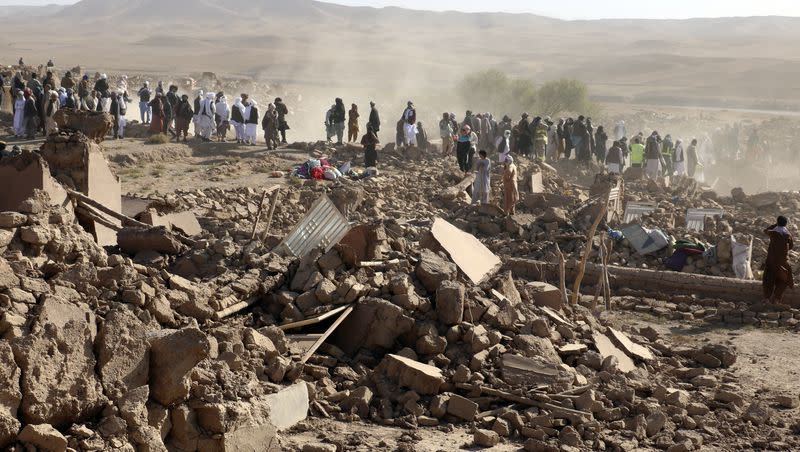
<point>323,227</point>
<point>635,210</point>
<point>696,218</point>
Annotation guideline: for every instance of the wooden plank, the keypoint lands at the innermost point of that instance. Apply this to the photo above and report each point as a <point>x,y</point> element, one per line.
<point>327,334</point>
<point>313,320</point>
<point>633,349</point>
<point>575,416</point>
<point>607,348</point>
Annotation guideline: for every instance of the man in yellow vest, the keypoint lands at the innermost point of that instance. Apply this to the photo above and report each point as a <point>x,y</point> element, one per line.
<point>637,153</point>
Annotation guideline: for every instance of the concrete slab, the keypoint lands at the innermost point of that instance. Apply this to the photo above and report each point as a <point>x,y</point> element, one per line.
<point>633,349</point>
<point>606,348</point>
<point>518,370</point>
<point>471,256</point>
<point>184,222</point>
<point>289,406</point>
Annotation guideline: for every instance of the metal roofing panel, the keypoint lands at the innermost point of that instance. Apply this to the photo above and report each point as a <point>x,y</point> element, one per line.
<point>635,210</point>
<point>696,218</point>
<point>322,227</point>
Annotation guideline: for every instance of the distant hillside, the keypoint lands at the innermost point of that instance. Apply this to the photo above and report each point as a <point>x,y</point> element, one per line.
<point>738,62</point>
<point>23,11</point>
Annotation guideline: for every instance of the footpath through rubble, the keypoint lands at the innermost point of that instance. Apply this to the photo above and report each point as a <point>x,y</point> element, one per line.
<point>387,299</point>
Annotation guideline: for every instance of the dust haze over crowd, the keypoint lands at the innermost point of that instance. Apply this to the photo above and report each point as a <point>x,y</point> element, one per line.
<point>313,52</point>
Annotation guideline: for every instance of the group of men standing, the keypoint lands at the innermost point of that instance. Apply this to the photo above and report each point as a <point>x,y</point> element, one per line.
<point>36,101</point>
<point>337,116</point>
<point>211,116</point>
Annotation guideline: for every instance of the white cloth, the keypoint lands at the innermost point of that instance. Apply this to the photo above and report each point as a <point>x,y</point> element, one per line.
<point>411,134</point>
<point>19,115</point>
<point>613,168</point>
<point>250,133</point>
<point>223,110</point>
<point>122,123</point>
<point>238,127</point>
<point>680,168</point>
<point>653,168</point>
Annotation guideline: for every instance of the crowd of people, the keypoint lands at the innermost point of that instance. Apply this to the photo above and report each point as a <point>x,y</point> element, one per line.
<point>35,103</point>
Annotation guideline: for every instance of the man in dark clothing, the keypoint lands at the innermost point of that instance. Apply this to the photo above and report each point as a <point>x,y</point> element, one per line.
<point>370,143</point>
<point>374,122</point>
<point>145,96</point>
<point>614,159</point>
<point>524,138</point>
<point>101,86</point>
<point>652,155</point>
<point>67,82</point>
<point>339,116</point>
<point>30,115</point>
<point>172,99</point>
<point>581,139</point>
<point>183,117</point>
<point>49,80</point>
<point>2,91</point>
<point>282,111</point>
<point>71,102</point>
<point>116,111</point>
<point>777,271</point>
<point>568,144</point>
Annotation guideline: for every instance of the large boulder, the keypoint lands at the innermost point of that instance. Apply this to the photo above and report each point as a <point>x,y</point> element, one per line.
<point>123,353</point>
<point>173,354</point>
<point>59,384</point>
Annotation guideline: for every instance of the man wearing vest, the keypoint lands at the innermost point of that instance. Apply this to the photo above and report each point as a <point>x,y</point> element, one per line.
<point>637,153</point>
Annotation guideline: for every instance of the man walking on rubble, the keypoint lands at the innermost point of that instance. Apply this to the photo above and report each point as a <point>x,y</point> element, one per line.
<point>652,154</point>
<point>282,111</point>
<point>410,124</point>
<point>374,122</point>
<point>446,134</point>
<point>777,271</point>
<point>352,124</point>
<point>339,117</point>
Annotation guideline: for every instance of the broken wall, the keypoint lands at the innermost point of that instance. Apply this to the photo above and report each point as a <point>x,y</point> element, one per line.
<point>79,163</point>
<point>21,175</point>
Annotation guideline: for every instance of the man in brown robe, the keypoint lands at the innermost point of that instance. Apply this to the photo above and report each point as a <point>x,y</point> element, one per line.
<point>777,271</point>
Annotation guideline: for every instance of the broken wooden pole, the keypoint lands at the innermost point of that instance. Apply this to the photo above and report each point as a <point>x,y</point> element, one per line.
<point>562,276</point>
<point>87,201</point>
<point>655,282</point>
<point>273,204</point>
<point>88,212</point>
<point>576,289</point>
<point>258,214</point>
<point>233,309</point>
<point>575,416</point>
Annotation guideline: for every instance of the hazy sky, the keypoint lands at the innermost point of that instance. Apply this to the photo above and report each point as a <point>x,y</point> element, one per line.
<point>576,9</point>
